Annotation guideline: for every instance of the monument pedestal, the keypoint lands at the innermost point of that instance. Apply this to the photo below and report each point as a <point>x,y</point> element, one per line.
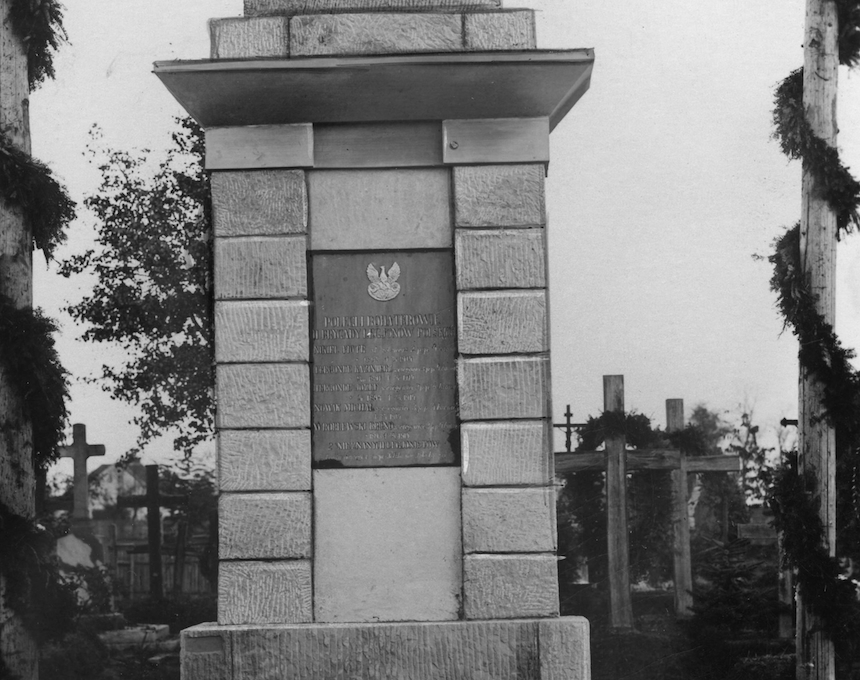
<point>387,502</point>
<point>514,649</point>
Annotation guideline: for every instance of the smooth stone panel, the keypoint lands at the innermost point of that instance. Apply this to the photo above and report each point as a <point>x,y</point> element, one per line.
<point>501,30</point>
<point>506,453</point>
<point>502,322</point>
<point>288,7</point>
<point>264,592</point>
<point>264,526</point>
<point>243,37</point>
<point>387,544</point>
<point>499,196</point>
<point>264,460</point>
<point>206,653</point>
<point>260,267</point>
<point>259,202</point>
<point>497,388</point>
<point>262,395</point>
<point>317,35</point>
<point>565,651</point>
<point>509,520</point>
<point>510,258</point>
<point>380,209</point>
<point>256,330</point>
<point>510,586</point>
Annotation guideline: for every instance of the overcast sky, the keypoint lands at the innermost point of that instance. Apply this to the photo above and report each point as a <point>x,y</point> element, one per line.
<point>663,184</point>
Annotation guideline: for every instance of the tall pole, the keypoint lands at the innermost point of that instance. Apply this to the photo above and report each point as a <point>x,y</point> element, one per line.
<point>817,445</point>
<point>683,561</point>
<point>17,479</point>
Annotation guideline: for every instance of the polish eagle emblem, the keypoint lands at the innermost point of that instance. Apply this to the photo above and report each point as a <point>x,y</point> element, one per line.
<point>383,286</point>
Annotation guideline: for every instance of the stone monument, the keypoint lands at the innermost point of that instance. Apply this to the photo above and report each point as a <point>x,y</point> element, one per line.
<point>387,505</point>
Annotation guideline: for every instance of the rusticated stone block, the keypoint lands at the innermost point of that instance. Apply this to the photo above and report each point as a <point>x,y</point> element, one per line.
<point>262,395</point>
<point>509,520</point>
<point>506,453</point>
<point>260,267</point>
<point>502,322</point>
<point>513,649</point>
<point>499,196</point>
<point>380,209</point>
<point>316,35</point>
<point>289,7</point>
<point>264,526</point>
<point>264,460</point>
<point>248,331</point>
<point>259,202</point>
<point>510,258</point>
<point>239,38</point>
<point>206,652</point>
<point>387,544</point>
<point>509,586</point>
<point>501,30</point>
<point>495,388</point>
<point>564,648</point>
<point>264,592</point>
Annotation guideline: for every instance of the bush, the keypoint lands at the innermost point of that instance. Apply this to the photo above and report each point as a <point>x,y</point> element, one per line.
<point>77,656</point>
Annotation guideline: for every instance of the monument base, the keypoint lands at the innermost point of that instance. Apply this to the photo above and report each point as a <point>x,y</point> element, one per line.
<point>512,649</point>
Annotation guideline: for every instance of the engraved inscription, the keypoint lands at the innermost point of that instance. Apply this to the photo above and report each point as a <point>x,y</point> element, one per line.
<point>384,378</point>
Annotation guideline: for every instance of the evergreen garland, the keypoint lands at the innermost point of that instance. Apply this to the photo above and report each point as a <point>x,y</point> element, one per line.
<point>39,25</point>
<point>30,185</point>
<point>31,362</point>
<point>820,579</point>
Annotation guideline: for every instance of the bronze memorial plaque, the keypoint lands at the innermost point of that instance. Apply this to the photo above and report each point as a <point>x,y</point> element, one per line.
<point>384,359</point>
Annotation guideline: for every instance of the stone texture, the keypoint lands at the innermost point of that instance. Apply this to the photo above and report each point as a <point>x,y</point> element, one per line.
<point>506,453</point>
<point>317,35</point>
<point>251,331</point>
<point>509,520</point>
<point>264,460</point>
<point>499,196</point>
<point>564,648</point>
<point>259,202</point>
<point>264,526</point>
<point>387,544</point>
<point>264,592</point>
<point>501,30</point>
<point>240,38</point>
<point>496,388</point>
<point>289,7</point>
<point>502,322</point>
<point>511,258</point>
<point>206,653</point>
<point>510,586</point>
<point>380,209</point>
<point>514,649</point>
<point>262,395</point>
<point>260,267</point>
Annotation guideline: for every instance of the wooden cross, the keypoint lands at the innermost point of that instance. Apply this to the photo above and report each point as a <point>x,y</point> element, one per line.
<point>762,533</point>
<point>153,501</point>
<point>617,461</point>
<point>79,451</point>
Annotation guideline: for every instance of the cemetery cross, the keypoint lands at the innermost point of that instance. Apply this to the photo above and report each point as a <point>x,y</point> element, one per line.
<point>80,451</point>
<point>617,461</point>
<point>153,501</point>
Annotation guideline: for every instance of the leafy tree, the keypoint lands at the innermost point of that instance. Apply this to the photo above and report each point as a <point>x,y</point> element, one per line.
<point>152,294</point>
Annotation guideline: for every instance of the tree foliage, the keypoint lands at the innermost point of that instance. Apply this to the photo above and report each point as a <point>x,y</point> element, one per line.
<point>152,265</point>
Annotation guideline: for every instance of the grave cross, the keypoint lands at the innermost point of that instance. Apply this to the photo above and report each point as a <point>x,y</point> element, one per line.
<point>617,461</point>
<point>153,501</point>
<point>79,451</point>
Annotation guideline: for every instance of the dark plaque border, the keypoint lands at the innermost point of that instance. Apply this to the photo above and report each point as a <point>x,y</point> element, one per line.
<point>384,359</point>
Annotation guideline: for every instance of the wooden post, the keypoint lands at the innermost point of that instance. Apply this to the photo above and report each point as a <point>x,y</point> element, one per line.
<point>817,443</point>
<point>179,557</point>
<point>680,518</point>
<point>153,533</point>
<point>620,605</point>
<point>17,479</point>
